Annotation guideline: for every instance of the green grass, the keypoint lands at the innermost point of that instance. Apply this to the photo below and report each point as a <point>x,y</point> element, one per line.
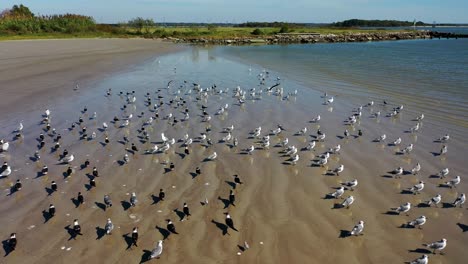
<point>186,32</point>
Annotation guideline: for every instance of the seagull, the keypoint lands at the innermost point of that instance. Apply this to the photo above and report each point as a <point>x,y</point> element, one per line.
<point>438,245</point>
<point>67,159</point>
<point>310,146</point>
<point>424,259</point>
<point>295,159</point>
<point>292,150</point>
<point>157,251</point>
<point>338,170</point>
<point>415,128</point>
<point>381,138</point>
<point>453,182</point>
<point>404,208</point>
<point>398,172</point>
<point>133,199</point>
<point>321,137</point>
<point>416,169</point>
<point>164,138</point>
<point>20,127</point>
<point>336,149</point>
<point>418,221</point>
<point>408,149</point>
<point>104,126</point>
<point>250,150</point>
<point>322,162</point>
<point>444,172</point>
<point>351,184</point>
<point>443,150</point>
<point>435,200</point>
<point>285,142</point>
<point>276,131</point>
<point>417,187</point>
<point>109,226</point>
<point>357,229</point>
<point>338,193</point>
<point>460,200</point>
<point>47,112</point>
<point>302,131</point>
<point>420,117</point>
<point>4,146</point>
<point>316,119</point>
<point>330,100</point>
<point>444,138</point>
<point>229,129</point>
<point>212,156</point>
<point>126,158</point>
<point>6,172</point>
<point>348,201</point>
<point>396,142</point>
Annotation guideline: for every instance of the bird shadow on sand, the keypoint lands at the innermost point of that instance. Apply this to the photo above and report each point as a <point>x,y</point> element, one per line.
<point>344,234</point>
<point>49,191</point>
<point>221,226</point>
<point>101,206</point>
<point>88,187</point>
<point>71,232</point>
<point>100,232</point>
<point>46,216</point>
<point>420,251</point>
<point>407,226</point>
<point>447,205</point>
<point>443,185</point>
<point>164,232</point>
<point>193,174</point>
<point>328,197</point>
<point>121,162</point>
<point>146,256</point>
<point>337,206</point>
<point>406,192</point>
<point>463,227</point>
<point>226,202</point>
<point>125,205</point>
<point>155,199</point>
<point>423,205</point>
<point>180,214</point>
<point>6,247</point>
<point>391,213</point>
<point>435,154</point>
<point>128,239</point>
<point>232,184</point>
<point>75,202</point>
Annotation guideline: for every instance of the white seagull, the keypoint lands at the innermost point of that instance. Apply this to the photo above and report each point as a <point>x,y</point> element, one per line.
<point>157,251</point>
<point>418,221</point>
<point>438,245</point>
<point>357,229</point>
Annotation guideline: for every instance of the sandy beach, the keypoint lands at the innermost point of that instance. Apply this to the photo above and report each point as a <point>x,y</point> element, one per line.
<point>281,209</point>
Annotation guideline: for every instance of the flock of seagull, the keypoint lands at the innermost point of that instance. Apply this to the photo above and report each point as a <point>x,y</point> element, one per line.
<point>172,106</point>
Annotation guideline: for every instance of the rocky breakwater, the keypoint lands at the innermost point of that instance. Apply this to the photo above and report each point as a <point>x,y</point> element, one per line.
<point>311,38</point>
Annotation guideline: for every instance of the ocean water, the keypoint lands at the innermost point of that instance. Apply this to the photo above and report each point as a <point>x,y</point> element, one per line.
<point>427,76</point>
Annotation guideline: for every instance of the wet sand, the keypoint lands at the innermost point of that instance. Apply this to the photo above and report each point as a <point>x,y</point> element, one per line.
<point>280,208</point>
<point>33,73</point>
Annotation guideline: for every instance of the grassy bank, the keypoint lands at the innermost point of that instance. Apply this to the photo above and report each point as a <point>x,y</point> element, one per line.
<point>182,32</point>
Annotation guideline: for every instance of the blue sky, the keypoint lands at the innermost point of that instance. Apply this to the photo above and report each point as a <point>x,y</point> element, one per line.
<point>209,11</point>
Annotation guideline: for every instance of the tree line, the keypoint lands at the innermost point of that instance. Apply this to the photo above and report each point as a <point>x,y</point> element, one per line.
<point>375,23</point>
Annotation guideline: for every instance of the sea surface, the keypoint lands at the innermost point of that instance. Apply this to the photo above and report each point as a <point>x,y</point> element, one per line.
<point>427,76</point>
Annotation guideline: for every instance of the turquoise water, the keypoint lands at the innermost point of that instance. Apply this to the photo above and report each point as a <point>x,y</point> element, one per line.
<point>429,76</point>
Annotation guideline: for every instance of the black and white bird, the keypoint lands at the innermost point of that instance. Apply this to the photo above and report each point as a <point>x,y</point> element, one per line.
<point>133,199</point>
<point>460,200</point>
<point>107,200</point>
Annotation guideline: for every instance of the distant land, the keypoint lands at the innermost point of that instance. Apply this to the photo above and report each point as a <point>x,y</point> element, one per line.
<point>19,22</point>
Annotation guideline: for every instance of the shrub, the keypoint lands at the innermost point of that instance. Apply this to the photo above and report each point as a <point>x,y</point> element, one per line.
<point>257,32</point>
